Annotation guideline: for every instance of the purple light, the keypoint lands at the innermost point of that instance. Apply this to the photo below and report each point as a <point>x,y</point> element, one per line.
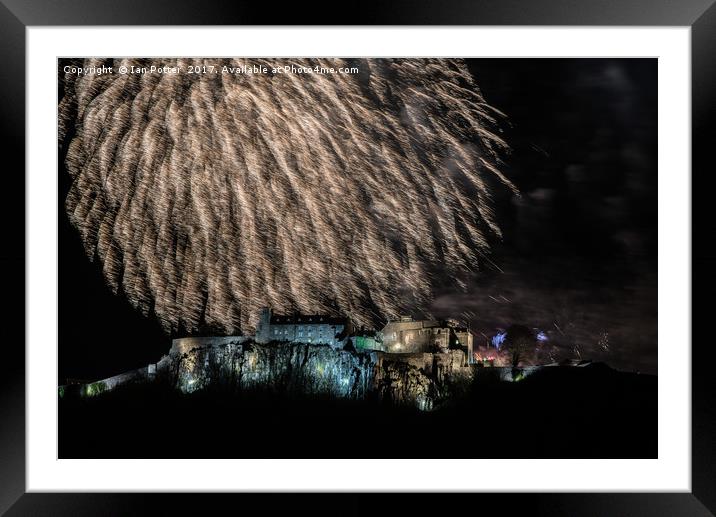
<point>498,339</point>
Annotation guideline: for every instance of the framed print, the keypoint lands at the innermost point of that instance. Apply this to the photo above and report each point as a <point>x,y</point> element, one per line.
<point>419,258</point>
<point>372,349</point>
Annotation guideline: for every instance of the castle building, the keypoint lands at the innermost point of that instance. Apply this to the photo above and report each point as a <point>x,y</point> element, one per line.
<point>365,340</point>
<point>402,336</point>
<point>407,335</point>
<point>314,329</point>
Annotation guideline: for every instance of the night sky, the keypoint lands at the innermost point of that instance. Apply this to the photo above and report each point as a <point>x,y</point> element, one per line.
<point>578,258</point>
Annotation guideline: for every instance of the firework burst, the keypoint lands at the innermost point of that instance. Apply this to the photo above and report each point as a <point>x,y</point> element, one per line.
<point>205,197</point>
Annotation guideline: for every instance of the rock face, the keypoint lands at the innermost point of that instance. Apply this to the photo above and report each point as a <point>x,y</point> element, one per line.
<point>421,380</point>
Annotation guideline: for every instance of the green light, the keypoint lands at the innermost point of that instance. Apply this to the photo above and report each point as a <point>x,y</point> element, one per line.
<point>94,389</point>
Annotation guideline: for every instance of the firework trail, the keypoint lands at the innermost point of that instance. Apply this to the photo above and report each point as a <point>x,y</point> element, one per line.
<point>206,197</point>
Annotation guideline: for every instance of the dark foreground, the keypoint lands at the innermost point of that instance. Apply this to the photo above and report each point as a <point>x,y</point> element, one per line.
<point>590,412</point>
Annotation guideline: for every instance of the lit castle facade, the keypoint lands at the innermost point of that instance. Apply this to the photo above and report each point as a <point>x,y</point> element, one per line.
<point>407,335</point>
<point>402,336</point>
<point>312,329</point>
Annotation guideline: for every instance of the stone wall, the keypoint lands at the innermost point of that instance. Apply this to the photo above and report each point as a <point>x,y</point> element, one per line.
<point>316,333</point>
<point>410,336</point>
<point>363,343</point>
<point>315,329</point>
<point>186,344</point>
<point>92,389</point>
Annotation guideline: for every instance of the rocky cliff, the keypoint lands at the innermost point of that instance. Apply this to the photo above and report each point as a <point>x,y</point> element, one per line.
<point>424,381</point>
<point>237,364</point>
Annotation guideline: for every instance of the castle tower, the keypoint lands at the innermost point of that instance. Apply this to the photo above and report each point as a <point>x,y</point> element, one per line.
<point>263,329</point>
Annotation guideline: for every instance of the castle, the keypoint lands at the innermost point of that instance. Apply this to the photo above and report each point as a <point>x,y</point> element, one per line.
<point>407,357</point>
<point>312,329</point>
<point>402,336</point>
<point>407,335</point>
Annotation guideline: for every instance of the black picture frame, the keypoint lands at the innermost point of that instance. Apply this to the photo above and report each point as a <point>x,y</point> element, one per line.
<point>17,15</point>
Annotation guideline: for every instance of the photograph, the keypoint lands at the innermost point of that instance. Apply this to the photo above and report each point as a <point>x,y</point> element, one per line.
<point>357,257</point>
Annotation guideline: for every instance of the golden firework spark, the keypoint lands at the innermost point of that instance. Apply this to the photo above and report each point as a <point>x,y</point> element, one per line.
<point>205,197</point>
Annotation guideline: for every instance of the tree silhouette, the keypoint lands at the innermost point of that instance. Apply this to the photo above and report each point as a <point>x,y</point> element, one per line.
<point>519,342</point>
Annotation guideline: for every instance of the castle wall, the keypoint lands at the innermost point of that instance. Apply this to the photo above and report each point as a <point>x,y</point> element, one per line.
<point>186,344</point>
<point>92,389</point>
<point>361,343</point>
<point>263,327</point>
<point>423,336</point>
<point>316,334</point>
<point>465,340</point>
<point>407,336</point>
